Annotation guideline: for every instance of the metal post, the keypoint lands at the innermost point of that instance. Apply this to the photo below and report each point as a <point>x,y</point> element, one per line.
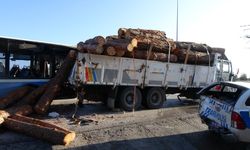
<point>177,18</point>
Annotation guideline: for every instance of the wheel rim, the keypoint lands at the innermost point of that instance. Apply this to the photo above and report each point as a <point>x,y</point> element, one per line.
<point>130,99</point>
<point>155,98</point>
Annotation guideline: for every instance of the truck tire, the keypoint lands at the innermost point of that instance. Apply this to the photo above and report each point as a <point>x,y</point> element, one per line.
<point>126,100</point>
<point>155,98</point>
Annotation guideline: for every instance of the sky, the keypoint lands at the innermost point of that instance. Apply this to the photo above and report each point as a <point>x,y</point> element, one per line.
<point>217,23</point>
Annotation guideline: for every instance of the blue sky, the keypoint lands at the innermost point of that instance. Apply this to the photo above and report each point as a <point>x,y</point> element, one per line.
<point>214,22</point>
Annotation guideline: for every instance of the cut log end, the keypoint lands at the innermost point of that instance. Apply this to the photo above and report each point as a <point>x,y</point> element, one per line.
<point>1,120</point>
<point>69,138</point>
<point>130,47</point>
<point>134,42</point>
<point>99,49</point>
<point>120,52</point>
<point>111,51</point>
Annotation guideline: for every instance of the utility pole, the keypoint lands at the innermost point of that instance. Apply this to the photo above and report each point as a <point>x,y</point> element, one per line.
<point>177,18</point>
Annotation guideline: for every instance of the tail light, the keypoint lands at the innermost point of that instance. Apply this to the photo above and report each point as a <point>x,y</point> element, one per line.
<point>236,121</point>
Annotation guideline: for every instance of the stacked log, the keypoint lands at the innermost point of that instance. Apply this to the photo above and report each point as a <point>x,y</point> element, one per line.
<point>133,43</point>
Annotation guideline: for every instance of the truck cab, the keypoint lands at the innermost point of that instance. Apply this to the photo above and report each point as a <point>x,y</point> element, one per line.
<point>223,70</point>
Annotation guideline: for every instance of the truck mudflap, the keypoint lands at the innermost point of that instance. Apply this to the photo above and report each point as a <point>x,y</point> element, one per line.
<point>216,111</point>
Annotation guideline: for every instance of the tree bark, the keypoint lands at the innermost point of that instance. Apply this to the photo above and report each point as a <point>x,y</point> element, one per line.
<point>14,96</point>
<point>198,58</point>
<point>98,40</point>
<point>32,97</point>
<point>120,44</point>
<point>54,85</point>
<point>90,48</point>
<point>110,51</point>
<point>133,33</point>
<point>153,56</point>
<point>20,110</point>
<point>39,129</point>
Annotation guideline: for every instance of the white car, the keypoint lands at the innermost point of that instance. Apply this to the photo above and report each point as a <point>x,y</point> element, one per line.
<point>225,109</point>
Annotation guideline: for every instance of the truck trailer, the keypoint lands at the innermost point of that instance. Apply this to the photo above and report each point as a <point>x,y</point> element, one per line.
<point>116,80</point>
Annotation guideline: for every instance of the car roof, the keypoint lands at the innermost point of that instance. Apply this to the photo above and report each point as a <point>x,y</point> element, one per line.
<point>239,83</point>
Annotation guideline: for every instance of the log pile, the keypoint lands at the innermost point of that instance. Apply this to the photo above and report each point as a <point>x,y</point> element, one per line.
<point>21,102</point>
<point>133,43</point>
<point>136,43</point>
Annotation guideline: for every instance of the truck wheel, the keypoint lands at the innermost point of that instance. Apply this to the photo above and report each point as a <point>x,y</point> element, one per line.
<point>155,98</point>
<point>127,99</point>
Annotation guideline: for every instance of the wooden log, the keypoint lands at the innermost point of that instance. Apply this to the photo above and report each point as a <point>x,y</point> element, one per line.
<point>39,129</point>
<point>199,47</point>
<point>110,51</point>
<point>120,52</point>
<point>121,33</point>
<point>32,97</point>
<point>218,50</point>
<point>120,44</point>
<point>132,41</point>
<point>153,56</point>
<point>195,57</point>
<point>54,86</point>
<point>90,48</point>
<point>21,110</point>
<point>14,96</point>
<point>133,33</point>
<point>98,40</point>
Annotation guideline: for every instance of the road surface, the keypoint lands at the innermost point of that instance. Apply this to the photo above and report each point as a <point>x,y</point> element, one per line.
<point>174,127</point>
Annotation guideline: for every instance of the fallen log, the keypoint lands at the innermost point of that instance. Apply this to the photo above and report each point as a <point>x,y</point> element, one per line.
<point>14,96</point>
<point>20,110</point>
<point>90,48</point>
<point>39,129</point>
<point>54,85</point>
<point>32,97</point>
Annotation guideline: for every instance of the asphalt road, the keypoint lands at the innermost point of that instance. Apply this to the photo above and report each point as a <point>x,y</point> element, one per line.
<point>174,127</point>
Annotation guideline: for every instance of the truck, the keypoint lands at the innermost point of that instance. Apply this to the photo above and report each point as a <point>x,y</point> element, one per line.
<point>129,83</point>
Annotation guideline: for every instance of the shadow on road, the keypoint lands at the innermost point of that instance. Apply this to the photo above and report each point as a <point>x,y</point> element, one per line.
<point>189,141</point>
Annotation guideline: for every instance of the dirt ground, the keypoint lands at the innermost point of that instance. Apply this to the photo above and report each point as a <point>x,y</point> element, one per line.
<point>175,127</point>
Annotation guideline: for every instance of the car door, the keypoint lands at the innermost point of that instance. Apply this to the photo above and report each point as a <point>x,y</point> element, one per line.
<point>242,107</point>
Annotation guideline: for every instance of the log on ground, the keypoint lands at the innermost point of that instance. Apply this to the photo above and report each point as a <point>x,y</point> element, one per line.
<point>54,85</point>
<point>14,96</point>
<point>20,110</point>
<point>39,129</point>
<point>32,97</point>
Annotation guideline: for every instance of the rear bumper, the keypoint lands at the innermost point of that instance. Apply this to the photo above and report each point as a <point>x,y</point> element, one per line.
<point>223,132</point>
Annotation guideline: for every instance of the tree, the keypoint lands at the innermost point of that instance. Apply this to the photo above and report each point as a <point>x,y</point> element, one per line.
<point>243,77</point>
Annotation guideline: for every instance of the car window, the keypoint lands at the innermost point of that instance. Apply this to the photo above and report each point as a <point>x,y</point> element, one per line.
<point>229,89</point>
<point>216,88</point>
<point>248,102</point>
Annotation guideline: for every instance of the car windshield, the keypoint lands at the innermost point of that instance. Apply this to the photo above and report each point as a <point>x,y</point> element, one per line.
<point>224,92</point>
